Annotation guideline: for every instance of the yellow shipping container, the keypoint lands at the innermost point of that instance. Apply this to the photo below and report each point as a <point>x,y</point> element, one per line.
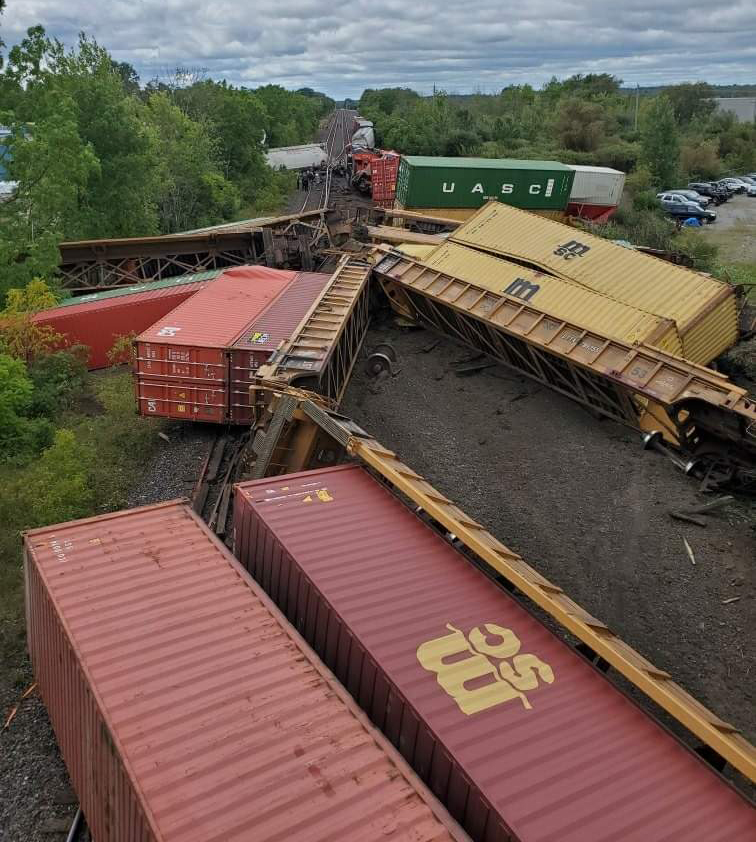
<point>704,309</point>
<point>557,297</point>
<point>416,251</point>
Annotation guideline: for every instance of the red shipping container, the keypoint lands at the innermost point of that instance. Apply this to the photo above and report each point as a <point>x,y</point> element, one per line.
<point>185,706</point>
<point>383,175</point>
<point>261,338</point>
<point>515,732</point>
<point>181,368</point>
<point>97,320</point>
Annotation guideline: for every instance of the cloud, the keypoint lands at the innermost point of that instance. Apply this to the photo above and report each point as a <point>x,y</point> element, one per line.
<point>343,46</point>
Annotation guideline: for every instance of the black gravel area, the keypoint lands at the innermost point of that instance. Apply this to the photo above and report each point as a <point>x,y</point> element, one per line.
<point>35,795</point>
<point>175,466</point>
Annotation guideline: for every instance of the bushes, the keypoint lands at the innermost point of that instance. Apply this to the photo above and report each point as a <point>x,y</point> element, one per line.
<point>21,437</point>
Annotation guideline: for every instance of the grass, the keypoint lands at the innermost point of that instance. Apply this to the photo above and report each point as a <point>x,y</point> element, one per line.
<point>86,473</point>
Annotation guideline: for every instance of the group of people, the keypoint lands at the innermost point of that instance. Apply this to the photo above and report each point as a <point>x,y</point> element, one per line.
<point>309,176</point>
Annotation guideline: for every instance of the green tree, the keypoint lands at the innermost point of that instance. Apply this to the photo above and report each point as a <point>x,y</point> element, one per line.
<point>580,124</point>
<point>52,166</point>
<point>20,436</point>
<point>690,101</point>
<point>57,489</point>
<point>192,189</point>
<point>660,147</point>
<point>127,74</point>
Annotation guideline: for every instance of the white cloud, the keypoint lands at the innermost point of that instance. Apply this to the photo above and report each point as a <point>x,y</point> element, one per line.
<point>343,46</point>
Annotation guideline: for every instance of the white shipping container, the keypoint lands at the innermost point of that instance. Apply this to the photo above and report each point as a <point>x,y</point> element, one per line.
<point>597,185</point>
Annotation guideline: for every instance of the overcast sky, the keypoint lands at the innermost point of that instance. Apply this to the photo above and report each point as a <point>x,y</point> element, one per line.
<point>342,47</point>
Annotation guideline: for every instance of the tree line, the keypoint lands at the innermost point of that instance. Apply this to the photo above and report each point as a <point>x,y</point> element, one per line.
<point>663,140</point>
<point>669,138</point>
<point>97,155</point>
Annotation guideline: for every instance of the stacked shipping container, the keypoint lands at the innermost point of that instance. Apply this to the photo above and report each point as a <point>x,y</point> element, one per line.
<point>98,319</point>
<point>260,339</point>
<point>704,309</point>
<point>456,183</point>
<point>557,297</point>
<point>517,734</point>
<point>596,192</point>
<point>198,361</point>
<point>185,706</point>
<point>181,367</point>
<point>383,175</point>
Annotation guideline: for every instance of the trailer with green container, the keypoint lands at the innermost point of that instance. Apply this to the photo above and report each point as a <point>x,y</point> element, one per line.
<point>428,182</point>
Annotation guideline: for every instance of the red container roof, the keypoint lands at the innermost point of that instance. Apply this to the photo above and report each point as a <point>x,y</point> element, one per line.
<point>228,725</point>
<point>560,753</point>
<point>217,314</point>
<point>281,317</point>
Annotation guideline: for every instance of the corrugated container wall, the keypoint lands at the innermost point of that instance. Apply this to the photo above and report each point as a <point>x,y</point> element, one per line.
<point>557,297</point>
<point>187,709</point>
<point>181,368</point>
<point>426,182</point>
<point>98,319</point>
<point>516,733</point>
<point>261,338</point>
<point>705,310</point>
<point>596,192</point>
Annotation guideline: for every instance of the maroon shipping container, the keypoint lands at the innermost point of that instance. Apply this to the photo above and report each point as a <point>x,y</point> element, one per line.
<point>383,175</point>
<point>187,709</point>
<point>97,320</point>
<point>181,368</point>
<point>261,338</point>
<point>515,732</point>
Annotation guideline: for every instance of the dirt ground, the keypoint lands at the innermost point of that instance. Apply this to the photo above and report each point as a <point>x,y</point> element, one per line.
<point>582,503</point>
<point>735,230</point>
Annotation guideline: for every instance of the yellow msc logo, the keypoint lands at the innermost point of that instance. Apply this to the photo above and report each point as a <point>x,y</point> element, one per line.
<point>491,673</point>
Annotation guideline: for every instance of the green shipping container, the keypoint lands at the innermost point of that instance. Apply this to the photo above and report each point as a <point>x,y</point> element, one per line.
<point>425,182</point>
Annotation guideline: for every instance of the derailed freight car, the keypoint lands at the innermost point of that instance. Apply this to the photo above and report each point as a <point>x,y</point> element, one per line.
<point>704,309</point>
<point>186,707</point>
<point>99,319</point>
<point>197,362</point>
<point>516,733</point>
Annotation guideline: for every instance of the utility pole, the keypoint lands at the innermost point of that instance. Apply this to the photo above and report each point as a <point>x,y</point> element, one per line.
<point>637,102</point>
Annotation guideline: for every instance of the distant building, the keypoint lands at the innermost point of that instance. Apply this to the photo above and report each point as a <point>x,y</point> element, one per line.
<point>743,107</point>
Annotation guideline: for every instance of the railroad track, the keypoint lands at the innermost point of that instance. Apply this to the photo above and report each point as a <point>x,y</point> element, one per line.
<point>337,139</point>
<point>211,498</point>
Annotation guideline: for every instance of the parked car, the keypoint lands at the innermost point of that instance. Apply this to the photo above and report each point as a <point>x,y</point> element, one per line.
<point>735,184</point>
<point>707,188</point>
<point>677,205</point>
<point>750,184</point>
<point>692,195</point>
<point>726,185</point>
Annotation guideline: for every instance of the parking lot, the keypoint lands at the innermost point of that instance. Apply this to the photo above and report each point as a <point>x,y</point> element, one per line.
<point>735,230</point>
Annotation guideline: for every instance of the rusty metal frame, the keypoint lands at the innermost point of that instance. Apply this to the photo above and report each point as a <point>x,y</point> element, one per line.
<point>611,376</point>
<point>107,264</point>
<point>322,351</point>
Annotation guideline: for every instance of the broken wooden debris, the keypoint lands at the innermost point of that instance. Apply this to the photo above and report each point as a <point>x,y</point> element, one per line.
<point>687,518</point>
